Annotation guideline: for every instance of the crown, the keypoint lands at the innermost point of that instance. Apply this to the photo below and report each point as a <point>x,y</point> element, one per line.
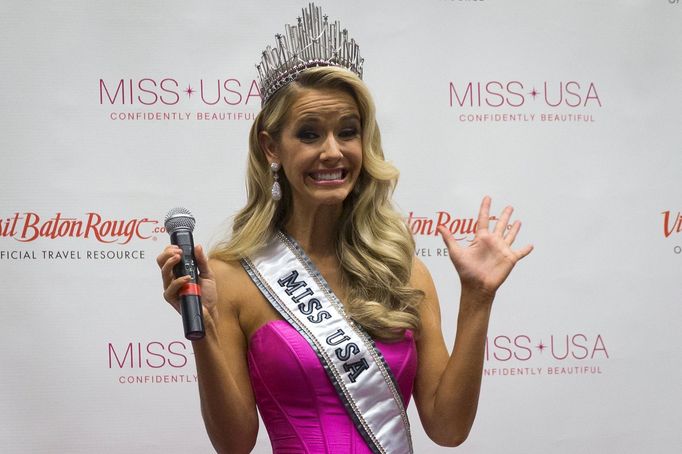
<point>314,41</point>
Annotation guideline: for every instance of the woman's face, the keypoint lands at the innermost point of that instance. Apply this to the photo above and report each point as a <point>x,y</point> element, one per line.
<point>320,148</point>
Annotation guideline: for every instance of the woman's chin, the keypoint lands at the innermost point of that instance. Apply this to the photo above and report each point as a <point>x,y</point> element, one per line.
<point>327,196</point>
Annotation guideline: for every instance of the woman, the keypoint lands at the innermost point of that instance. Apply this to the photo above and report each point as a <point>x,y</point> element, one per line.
<point>332,201</point>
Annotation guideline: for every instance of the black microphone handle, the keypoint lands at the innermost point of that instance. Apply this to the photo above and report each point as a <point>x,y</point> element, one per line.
<point>190,299</point>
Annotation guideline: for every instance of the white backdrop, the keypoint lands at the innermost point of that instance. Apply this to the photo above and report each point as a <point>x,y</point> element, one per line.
<point>570,111</point>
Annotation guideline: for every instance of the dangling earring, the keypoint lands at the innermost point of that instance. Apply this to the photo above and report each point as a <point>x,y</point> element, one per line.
<point>276,189</point>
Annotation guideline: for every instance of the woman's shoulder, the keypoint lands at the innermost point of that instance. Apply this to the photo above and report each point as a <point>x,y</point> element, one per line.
<point>240,297</point>
<point>229,268</point>
<point>421,279</point>
<point>233,284</point>
<point>420,275</point>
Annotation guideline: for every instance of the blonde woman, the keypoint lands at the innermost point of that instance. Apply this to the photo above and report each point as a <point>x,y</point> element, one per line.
<point>317,311</point>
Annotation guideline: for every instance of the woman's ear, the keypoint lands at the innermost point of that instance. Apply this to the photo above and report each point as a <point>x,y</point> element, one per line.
<point>269,146</point>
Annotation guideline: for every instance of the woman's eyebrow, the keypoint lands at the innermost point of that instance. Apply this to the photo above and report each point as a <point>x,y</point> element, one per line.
<point>351,116</point>
<point>317,118</point>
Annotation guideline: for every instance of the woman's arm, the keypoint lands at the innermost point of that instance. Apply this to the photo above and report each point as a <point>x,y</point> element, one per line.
<point>447,387</point>
<point>227,403</point>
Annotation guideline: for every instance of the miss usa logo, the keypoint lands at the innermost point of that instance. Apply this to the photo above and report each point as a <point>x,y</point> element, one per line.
<point>148,354</point>
<point>523,347</point>
<point>29,226</point>
<point>515,93</point>
<point>170,92</point>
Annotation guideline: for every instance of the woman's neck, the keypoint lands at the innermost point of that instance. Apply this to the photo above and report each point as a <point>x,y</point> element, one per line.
<point>315,229</point>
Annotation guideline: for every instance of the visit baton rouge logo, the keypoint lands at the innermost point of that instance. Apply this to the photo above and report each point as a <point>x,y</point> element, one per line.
<point>518,101</point>
<point>462,228</point>
<point>672,224</point>
<point>30,229</point>
<point>149,99</point>
<point>30,226</point>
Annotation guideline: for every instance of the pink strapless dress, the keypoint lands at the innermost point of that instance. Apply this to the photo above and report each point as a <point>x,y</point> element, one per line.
<point>299,406</point>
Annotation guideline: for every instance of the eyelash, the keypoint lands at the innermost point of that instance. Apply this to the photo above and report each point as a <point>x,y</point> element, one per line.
<point>306,135</point>
<point>350,132</point>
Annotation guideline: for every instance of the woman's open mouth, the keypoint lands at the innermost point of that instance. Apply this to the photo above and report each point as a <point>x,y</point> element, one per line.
<point>329,176</point>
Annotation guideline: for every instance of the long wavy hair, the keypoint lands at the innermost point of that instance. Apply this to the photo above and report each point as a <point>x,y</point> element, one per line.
<point>374,246</point>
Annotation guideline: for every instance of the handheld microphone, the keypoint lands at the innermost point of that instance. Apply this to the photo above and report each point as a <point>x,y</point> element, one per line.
<point>179,224</point>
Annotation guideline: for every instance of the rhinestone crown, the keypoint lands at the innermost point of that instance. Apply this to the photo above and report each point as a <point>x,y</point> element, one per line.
<point>314,41</point>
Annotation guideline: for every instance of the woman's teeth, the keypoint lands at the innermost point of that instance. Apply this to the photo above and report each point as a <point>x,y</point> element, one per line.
<point>337,175</point>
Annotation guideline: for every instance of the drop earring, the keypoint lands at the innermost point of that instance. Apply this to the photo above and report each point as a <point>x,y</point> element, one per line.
<point>276,189</point>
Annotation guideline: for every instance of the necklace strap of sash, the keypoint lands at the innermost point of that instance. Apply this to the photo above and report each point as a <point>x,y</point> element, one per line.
<point>357,370</point>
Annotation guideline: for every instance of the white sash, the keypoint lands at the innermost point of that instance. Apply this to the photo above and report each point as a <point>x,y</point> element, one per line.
<point>291,283</point>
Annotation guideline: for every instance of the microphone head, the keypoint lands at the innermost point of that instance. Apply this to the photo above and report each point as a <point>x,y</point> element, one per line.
<point>179,219</point>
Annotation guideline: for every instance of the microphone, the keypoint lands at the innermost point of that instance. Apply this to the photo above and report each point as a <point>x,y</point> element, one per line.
<point>179,224</point>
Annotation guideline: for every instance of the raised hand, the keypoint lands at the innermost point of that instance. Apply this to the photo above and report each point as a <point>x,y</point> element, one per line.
<point>486,263</point>
<point>168,258</point>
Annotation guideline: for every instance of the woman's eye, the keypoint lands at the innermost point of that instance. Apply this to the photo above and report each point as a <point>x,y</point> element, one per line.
<point>349,133</point>
<point>307,135</point>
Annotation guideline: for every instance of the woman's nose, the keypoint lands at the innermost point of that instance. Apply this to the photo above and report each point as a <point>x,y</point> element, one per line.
<point>331,148</point>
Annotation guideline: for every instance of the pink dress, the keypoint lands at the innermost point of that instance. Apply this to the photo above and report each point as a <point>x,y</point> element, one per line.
<point>299,406</point>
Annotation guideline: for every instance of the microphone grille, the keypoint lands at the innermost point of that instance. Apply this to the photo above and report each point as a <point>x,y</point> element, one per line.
<point>179,218</point>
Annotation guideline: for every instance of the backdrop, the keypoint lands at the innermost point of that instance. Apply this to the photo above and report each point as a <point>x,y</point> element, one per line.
<point>114,112</point>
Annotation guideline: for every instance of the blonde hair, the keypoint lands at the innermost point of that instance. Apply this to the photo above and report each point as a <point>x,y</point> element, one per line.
<point>374,247</point>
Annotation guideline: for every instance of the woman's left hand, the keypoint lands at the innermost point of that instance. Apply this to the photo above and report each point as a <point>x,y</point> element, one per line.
<point>486,263</point>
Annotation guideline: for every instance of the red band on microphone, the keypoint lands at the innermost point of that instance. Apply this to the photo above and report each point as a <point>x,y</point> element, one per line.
<point>190,289</point>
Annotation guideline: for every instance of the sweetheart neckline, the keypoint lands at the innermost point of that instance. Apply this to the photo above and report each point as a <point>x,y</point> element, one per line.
<point>274,321</point>
<point>263,326</point>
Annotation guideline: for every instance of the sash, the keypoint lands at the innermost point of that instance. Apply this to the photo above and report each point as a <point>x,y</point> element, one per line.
<point>291,283</point>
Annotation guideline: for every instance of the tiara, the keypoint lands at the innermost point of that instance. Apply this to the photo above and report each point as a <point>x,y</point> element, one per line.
<point>314,41</point>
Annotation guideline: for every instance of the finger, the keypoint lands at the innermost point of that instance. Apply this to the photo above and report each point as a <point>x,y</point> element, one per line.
<point>502,223</point>
<point>202,262</point>
<point>483,214</point>
<point>167,269</point>
<point>521,253</point>
<point>511,235</point>
<point>448,239</point>
<point>167,252</point>
<point>171,293</point>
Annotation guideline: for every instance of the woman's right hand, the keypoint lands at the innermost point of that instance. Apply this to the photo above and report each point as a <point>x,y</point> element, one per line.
<point>170,257</point>
<point>228,404</point>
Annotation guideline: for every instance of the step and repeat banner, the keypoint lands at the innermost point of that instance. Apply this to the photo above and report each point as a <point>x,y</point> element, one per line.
<point>115,112</point>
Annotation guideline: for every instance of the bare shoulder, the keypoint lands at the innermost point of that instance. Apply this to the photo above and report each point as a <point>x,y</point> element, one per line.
<point>420,277</point>
<point>229,270</point>
<point>239,296</point>
<point>232,283</point>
